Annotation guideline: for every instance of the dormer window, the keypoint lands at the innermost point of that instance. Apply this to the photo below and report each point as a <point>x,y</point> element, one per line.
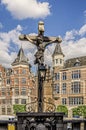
<point>77,63</point>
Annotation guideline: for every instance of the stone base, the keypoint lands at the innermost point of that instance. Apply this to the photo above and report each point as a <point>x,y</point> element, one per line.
<point>40,121</point>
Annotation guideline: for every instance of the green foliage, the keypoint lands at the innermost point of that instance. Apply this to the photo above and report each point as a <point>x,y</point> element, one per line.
<point>62,108</point>
<point>80,111</point>
<point>19,108</point>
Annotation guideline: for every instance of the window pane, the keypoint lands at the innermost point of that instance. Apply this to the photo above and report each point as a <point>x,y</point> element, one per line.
<point>57,76</point>
<point>64,88</point>
<point>56,88</point>
<point>8,110</point>
<point>75,87</point>
<point>23,80</point>
<point>8,81</point>
<point>3,91</point>
<point>75,100</point>
<point>23,101</point>
<point>16,101</point>
<point>16,81</point>
<point>23,91</point>
<point>76,74</point>
<point>64,101</point>
<point>64,77</point>
<point>3,101</point>
<point>3,111</point>
<point>16,91</point>
<point>23,71</point>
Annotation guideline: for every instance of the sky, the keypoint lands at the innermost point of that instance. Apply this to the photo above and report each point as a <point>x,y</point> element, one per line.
<point>64,18</point>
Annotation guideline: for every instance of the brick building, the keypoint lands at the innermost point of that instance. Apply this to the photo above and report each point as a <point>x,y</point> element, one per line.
<point>17,85</point>
<point>69,79</point>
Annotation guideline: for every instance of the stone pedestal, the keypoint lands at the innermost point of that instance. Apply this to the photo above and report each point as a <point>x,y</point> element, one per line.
<point>40,121</point>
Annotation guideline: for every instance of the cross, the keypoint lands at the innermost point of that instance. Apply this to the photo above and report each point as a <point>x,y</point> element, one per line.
<point>40,41</point>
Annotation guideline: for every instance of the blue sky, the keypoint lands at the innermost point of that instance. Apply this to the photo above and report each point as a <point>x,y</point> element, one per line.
<point>66,18</point>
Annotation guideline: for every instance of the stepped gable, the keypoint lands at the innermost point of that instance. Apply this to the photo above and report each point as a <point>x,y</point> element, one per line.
<point>21,58</point>
<point>73,62</point>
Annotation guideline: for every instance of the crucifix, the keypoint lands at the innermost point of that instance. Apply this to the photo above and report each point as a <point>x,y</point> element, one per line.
<point>41,43</point>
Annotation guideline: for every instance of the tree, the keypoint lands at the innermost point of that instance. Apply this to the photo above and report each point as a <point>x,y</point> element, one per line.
<point>80,111</point>
<point>19,108</point>
<point>62,108</point>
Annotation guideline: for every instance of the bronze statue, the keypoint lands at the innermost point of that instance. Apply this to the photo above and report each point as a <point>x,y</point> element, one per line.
<point>41,42</point>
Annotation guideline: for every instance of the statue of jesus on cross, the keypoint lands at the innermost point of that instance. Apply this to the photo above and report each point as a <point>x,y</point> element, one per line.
<point>41,42</point>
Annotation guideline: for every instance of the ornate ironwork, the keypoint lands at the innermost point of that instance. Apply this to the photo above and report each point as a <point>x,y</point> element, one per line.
<point>50,107</point>
<point>31,107</point>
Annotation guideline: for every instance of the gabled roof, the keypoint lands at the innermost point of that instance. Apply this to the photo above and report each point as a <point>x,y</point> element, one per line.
<point>58,50</point>
<point>73,62</point>
<point>21,58</point>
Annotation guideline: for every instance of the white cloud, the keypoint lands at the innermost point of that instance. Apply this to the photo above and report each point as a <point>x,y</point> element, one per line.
<point>10,45</point>
<point>82,31</point>
<point>5,58</point>
<point>70,35</point>
<point>7,40</point>
<point>48,54</point>
<point>75,47</point>
<point>22,9</point>
<point>72,47</point>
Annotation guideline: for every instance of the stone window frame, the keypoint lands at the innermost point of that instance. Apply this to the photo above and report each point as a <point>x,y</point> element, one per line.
<point>75,100</point>
<point>8,81</point>
<point>56,88</point>
<point>16,91</point>
<point>16,101</point>
<point>3,110</point>
<point>23,80</point>
<point>75,87</point>
<point>64,101</point>
<point>3,91</point>
<point>57,76</point>
<point>23,71</point>
<point>23,101</point>
<point>64,88</point>
<point>64,75</point>
<point>16,81</point>
<point>9,110</point>
<point>23,91</point>
<point>76,74</point>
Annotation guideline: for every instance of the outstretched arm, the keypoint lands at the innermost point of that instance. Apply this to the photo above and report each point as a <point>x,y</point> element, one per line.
<point>57,40</point>
<point>29,38</point>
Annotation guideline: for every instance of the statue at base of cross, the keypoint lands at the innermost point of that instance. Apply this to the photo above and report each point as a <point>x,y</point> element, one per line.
<point>41,42</point>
